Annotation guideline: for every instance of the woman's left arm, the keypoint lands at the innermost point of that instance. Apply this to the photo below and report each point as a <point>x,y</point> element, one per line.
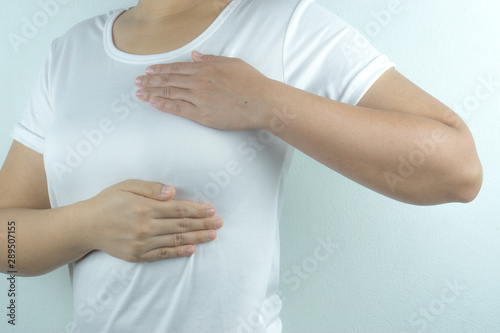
<point>398,140</point>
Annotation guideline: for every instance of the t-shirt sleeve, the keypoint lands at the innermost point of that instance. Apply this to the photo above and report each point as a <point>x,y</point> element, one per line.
<point>35,122</point>
<point>326,56</point>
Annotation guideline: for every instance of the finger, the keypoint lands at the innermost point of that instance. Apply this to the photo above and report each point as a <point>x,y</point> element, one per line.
<point>145,94</point>
<point>163,80</point>
<point>186,68</point>
<point>150,190</point>
<point>180,239</point>
<point>168,253</point>
<point>173,226</point>
<point>177,107</point>
<point>181,209</point>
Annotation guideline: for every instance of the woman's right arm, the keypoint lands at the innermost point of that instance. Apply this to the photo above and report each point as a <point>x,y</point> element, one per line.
<point>132,220</point>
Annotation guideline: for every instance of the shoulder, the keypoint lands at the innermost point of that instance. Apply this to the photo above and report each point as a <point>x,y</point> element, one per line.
<point>315,13</point>
<point>91,29</point>
<point>307,13</point>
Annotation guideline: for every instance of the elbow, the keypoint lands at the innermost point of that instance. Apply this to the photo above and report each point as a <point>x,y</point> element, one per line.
<point>466,170</point>
<point>468,182</point>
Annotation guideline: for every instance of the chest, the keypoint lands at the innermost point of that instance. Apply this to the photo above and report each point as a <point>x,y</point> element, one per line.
<point>103,134</point>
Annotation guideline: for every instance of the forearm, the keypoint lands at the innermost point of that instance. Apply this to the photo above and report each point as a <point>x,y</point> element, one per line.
<point>410,158</point>
<point>44,239</point>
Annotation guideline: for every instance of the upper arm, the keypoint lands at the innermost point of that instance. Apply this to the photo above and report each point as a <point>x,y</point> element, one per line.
<point>23,181</point>
<point>394,92</point>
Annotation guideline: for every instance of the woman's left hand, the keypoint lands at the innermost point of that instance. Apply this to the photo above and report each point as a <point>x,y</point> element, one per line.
<point>219,92</point>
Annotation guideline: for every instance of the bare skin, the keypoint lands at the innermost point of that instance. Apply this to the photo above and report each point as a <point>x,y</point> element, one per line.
<point>162,26</point>
<point>364,142</point>
<point>131,220</point>
<point>367,143</point>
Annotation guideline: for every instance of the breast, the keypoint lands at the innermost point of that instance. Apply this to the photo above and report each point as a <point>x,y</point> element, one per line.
<point>87,151</point>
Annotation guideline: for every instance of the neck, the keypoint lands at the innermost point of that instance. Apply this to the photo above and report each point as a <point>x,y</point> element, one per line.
<point>157,11</point>
<point>153,10</point>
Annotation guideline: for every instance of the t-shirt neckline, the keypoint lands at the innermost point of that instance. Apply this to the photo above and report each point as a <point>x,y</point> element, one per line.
<point>120,55</point>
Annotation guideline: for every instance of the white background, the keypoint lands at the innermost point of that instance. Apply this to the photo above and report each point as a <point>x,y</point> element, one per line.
<point>394,262</point>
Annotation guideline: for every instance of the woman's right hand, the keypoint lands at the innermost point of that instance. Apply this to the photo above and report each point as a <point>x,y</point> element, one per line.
<point>137,222</point>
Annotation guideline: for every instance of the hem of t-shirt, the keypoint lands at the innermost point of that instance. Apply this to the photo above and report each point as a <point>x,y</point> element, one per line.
<point>122,56</point>
<point>28,138</point>
<point>365,79</point>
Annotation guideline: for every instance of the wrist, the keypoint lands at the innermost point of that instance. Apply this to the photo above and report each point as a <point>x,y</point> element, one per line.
<point>269,100</point>
<point>83,223</point>
<point>278,113</point>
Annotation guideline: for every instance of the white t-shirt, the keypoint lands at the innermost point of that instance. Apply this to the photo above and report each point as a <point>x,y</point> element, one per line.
<point>84,118</point>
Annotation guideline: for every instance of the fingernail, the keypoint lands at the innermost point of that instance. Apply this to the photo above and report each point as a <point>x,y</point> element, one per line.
<point>211,234</point>
<point>190,250</point>
<point>150,70</point>
<point>210,212</point>
<point>165,191</point>
<point>140,93</point>
<point>154,101</point>
<point>197,54</point>
<point>218,224</point>
<point>138,81</point>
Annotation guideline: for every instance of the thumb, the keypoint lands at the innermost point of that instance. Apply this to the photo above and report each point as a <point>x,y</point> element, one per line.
<point>150,190</point>
<point>199,57</point>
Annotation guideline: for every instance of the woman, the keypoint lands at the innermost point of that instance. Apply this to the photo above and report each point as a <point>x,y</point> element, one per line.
<point>109,182</point>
